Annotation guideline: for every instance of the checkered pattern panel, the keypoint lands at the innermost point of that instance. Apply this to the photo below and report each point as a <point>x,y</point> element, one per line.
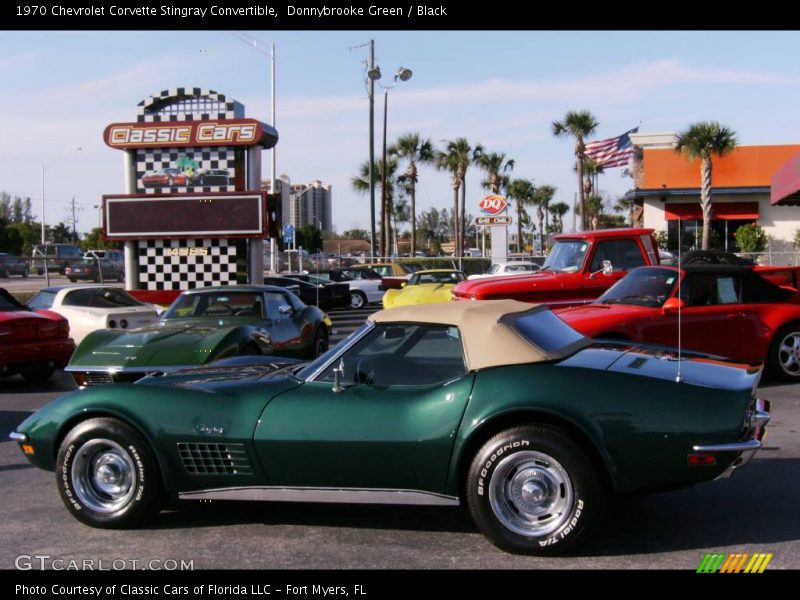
<point>186,264</point>
<point>172,104</point>
<point>150,160</point>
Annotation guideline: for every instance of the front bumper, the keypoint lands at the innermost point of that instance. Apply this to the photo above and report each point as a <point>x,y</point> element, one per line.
<point>746,449</point>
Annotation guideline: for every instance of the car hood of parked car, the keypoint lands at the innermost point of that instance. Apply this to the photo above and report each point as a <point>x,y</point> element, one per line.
<point>591,319</point>
<point>173,342</point>
<point>497,287</point>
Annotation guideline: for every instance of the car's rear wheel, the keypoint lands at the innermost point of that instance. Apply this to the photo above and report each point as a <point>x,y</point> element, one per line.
<point>532,490</point>
<point>37,373</point>
<point>357,299</point>
<point>107,475</point>
<point>784,353</point>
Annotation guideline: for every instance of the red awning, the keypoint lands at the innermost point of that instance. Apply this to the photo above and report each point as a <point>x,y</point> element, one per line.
<point>740,211</point>
<point>786,183</point>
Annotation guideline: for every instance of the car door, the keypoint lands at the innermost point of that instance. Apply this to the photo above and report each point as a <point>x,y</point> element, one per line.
<point>286,335</point>
<point>713,319</point>
<point>390,425</point>
<point>624,255</point>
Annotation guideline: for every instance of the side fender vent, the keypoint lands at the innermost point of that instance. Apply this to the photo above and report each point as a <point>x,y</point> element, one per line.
<point>215,459</point>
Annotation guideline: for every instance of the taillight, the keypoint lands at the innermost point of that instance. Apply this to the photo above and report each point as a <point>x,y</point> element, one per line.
<point>63,328</point>
<point>112,323</point>
<point>80,378</point>
<point>123,323</point>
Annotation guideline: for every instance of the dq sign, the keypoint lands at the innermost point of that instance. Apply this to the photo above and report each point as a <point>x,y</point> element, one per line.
<point>493,204</point>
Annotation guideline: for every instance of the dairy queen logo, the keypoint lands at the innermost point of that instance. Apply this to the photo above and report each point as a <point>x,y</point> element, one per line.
<point>492,204</point>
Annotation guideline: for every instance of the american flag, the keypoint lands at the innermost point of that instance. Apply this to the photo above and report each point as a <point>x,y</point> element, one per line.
<point>613,152</point>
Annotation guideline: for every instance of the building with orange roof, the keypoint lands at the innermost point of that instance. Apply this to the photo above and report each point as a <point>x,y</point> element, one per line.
<point>667,192</point>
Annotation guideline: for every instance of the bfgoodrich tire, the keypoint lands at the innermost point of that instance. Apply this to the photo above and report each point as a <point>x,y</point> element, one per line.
<point>107,475</point>
<point>532,490</point>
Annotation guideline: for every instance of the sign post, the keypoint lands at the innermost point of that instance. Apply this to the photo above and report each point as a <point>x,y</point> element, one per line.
<point>493,208</point>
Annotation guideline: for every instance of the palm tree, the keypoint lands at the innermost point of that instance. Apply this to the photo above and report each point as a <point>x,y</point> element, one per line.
<point>591,169</point>
<point>360,183</point>
<point>415,151</point>
<point>703,140</point>
<point>625,205</point>
<point>558,210</point>
<point>494,165</point>
<point>577,124</point>
<point>594,208</point>
<point>456,159</point>
<point>523,192</point>
<point>542,197</point>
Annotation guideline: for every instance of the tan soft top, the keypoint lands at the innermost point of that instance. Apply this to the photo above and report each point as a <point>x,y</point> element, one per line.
<point>487,341</point>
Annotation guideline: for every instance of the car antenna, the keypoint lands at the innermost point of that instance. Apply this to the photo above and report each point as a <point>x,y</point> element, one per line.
<point>679,374</point>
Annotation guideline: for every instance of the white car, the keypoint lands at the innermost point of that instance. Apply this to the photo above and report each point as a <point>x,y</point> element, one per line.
<point>366,285</point>
<point>92,307</point>
<point>517,267</point>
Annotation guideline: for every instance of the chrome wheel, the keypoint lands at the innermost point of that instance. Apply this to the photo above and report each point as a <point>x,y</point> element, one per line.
<point>356,300</point>
<point>789,354</point>
<point>104,476</point>
<point>531,494</point>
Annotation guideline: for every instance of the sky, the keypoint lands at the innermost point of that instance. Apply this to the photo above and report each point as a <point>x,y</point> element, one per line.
<point>500,89</point>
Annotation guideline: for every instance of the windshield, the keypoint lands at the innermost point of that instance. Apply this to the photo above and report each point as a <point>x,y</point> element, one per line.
<point>215,304</point>
<point>642,287</point>
<point>436,277</point>
<point>43,299</point>
<point>566,256</point>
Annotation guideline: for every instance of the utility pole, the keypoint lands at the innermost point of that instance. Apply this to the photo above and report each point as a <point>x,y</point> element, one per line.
<point>74,222</point>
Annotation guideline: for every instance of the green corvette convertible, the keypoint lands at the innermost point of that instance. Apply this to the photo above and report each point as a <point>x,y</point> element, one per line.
<point>498,405</point>
<point>201,326</point>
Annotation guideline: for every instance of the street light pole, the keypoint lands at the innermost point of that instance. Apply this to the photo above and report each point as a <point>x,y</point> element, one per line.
<point>402,74</point>
<point>372,79</point>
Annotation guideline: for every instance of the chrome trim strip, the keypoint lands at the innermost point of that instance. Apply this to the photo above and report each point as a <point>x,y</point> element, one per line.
<point>735,447</point>
<point>341,349</point>
<point>325,495</point>
<point>113,370</point>
<point>18,437</point>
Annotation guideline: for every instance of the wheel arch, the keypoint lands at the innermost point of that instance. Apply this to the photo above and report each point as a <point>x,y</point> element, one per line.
<point>521,417</point>
<point>105,413</point>
<point>768,363</point>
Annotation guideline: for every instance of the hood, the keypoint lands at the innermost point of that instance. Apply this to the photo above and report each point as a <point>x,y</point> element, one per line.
<point>173,342</point>
<point>595,318</point>
<point>424,293</point>
<point>226,375</point>
<point>488,288</point>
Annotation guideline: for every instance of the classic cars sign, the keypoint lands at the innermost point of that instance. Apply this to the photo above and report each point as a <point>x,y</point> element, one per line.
<point>493,204</point>
<point>228,132</point>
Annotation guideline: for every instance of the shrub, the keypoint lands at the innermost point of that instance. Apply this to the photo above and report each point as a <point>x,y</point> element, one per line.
<point>751,238</point>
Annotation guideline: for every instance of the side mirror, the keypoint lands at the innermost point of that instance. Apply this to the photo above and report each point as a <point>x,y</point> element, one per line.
<point>672,305</point>
<point>608,267</point>
<point>338,375</point>
<point>284,309</point>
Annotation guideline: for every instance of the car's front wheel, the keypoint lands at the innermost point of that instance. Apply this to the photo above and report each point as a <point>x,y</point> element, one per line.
<point>532,490</point>
<point>784,353</point>
<point>320,345</point>
<point>107,475</point>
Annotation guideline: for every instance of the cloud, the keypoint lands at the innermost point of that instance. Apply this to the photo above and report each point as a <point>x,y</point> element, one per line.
<point>18,60</point>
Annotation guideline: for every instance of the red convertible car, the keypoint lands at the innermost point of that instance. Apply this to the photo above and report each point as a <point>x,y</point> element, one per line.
<point>726,310</point>
<point>31,344</point>
<point>168,177</point>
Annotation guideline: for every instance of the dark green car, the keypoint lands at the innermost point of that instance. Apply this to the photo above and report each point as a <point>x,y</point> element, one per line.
<point>498,405</point>
<point>201,326</point>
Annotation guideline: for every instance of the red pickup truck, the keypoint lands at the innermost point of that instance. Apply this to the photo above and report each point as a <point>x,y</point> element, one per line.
<point>580,267</point>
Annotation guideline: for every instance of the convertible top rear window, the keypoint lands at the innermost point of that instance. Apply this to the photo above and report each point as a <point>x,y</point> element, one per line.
<point>545,330</point>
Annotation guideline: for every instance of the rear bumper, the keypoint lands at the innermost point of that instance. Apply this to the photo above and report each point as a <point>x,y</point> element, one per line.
<point>744,450</point>
<point>57,352</point>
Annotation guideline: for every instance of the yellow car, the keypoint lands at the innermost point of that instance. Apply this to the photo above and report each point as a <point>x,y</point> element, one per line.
<point>424,287</point>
